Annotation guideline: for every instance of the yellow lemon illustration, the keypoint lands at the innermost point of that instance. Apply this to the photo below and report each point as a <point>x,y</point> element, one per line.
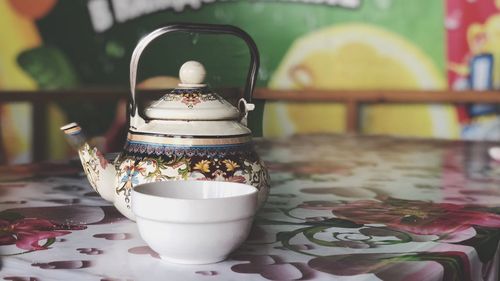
<point>364,57</point>
<point>16,118</point>
<point>15,128</point>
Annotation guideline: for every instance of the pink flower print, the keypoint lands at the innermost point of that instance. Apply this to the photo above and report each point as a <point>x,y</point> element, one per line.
<point>102,161</point>
<point>190,100</point>
<point>418,217</point>
<point>240,179</point>
<point>219,175</point>
<point>26,233</point>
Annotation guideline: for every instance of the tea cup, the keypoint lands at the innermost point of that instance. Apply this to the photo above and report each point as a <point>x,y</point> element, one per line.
<point>194,222</point>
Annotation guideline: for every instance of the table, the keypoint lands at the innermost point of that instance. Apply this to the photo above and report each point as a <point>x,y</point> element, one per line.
<point>340,208</point>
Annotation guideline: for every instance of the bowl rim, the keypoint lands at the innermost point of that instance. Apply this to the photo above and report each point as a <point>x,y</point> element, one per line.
<point>252,190</point>
<point>199,210</point>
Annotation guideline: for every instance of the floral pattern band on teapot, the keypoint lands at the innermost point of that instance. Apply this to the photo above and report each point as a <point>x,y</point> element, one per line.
<point>191,133</point>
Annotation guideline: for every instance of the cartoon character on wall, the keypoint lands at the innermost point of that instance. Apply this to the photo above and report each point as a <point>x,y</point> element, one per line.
<point>474,63</point>
<point>476,41</point>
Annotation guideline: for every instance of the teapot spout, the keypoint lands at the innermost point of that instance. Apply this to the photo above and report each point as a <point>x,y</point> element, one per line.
<point>100,173</point>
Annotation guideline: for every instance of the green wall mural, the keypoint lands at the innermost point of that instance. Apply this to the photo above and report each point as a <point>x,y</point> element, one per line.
<point>344,44</point>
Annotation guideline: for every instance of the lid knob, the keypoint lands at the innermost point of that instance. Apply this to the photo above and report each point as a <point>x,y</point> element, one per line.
<point>192,74</point>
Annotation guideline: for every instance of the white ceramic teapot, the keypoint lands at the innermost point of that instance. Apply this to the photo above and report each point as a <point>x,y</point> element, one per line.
<point>191,133</point>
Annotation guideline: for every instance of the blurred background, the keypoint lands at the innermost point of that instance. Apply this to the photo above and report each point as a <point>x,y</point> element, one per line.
<point>84,46</point>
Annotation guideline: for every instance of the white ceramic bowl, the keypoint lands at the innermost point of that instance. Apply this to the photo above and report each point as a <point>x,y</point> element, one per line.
<point>194,222</point>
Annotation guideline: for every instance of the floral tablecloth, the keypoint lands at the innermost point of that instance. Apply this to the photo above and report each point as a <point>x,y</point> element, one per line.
<point>340,208</point>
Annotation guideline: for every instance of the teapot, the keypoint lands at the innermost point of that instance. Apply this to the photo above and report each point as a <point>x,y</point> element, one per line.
<point>191,133</point>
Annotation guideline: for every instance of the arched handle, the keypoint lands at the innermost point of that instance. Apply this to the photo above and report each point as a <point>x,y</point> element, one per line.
<point>196,28</point>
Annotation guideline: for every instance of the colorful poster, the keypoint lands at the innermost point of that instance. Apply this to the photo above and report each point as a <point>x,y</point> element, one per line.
<point>372,47</point>
<point>473,40</point>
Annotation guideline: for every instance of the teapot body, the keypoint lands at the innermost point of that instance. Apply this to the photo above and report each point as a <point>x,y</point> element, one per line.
<point>152,157</point>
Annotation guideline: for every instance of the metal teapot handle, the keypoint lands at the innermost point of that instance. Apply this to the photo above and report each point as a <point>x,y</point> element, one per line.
<point>135,119</point>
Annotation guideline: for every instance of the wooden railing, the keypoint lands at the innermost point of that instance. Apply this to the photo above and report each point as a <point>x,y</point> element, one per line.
<point>352,99</point>
<point>40,100</point>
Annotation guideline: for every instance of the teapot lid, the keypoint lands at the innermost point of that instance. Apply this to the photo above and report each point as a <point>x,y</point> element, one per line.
<point>192,100</point>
